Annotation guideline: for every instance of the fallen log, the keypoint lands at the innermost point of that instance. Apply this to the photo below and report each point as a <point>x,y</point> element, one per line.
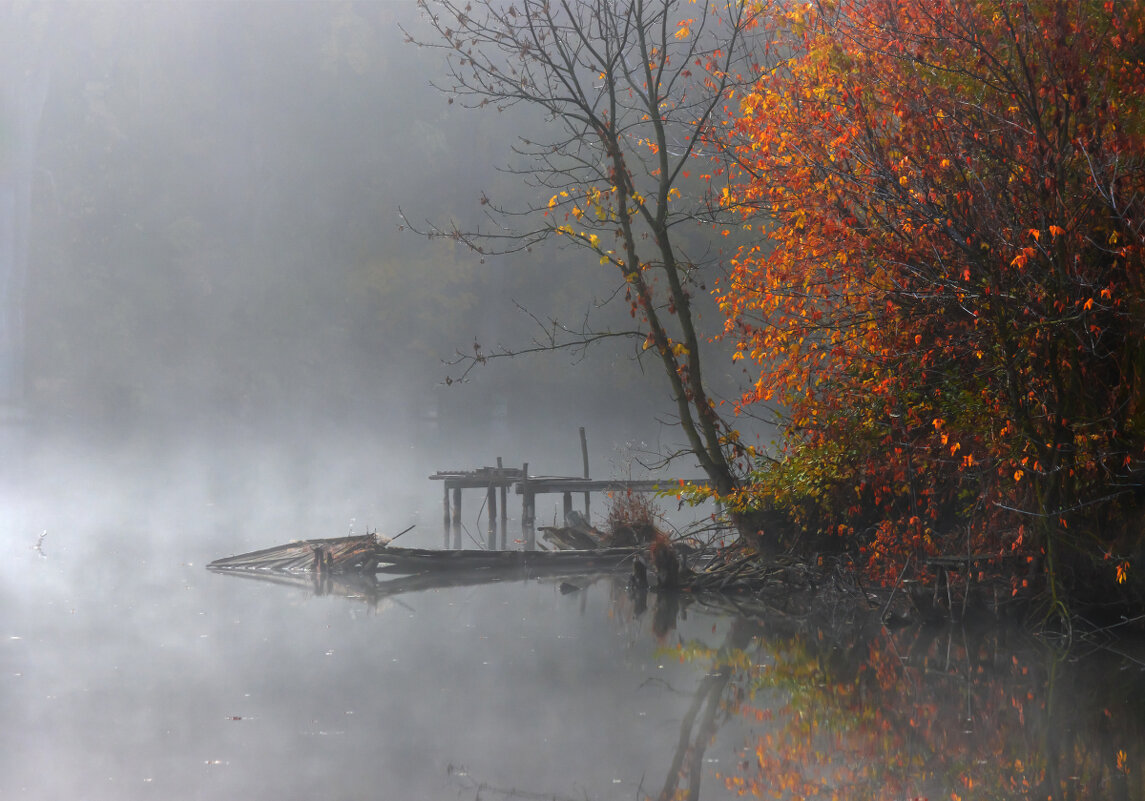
<point>370,554</point>
<point>336,555</point>
<point>418,560</point>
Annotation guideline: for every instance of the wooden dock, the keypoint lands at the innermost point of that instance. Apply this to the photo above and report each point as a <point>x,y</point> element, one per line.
<point>532,486</point>
<point>496,481</point>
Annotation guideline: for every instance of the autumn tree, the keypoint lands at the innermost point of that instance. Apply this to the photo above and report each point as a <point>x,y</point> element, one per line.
<point>633,95</point>
<point>949,301</point>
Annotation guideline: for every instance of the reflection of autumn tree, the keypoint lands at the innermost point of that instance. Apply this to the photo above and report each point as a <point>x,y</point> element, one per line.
<point>941,714</point>
<point>712,704</point>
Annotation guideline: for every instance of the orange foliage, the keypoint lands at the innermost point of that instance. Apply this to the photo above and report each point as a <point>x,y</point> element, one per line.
<point>951,286</point>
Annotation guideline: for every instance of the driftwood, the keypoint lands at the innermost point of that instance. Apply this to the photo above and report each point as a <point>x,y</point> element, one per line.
<point>370,554</point>
<point>569,538</point>
<point>376,589</point>
<point>338,555</point>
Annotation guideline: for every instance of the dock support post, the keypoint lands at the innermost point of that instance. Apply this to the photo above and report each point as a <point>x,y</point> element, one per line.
<point>491,500</point>
<point>445,502</point>
<point>568,505</point>
<point>584,458</point>
<point>504,491</point>
<point>528,501</point>
<point>456,505</point>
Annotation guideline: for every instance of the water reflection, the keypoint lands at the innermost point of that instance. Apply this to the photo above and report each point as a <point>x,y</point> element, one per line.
<point>494,536</point>
<point>805,698</point>
<point>960,713</point>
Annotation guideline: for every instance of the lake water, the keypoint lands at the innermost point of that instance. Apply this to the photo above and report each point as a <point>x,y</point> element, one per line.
<point>129,671</point>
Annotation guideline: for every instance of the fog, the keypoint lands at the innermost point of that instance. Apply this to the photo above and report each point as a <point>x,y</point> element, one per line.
<point>214,245</point>
<point>215,337</point>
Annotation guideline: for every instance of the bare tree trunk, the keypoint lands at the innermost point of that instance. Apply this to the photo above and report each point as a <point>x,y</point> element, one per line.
<point>634,94</point>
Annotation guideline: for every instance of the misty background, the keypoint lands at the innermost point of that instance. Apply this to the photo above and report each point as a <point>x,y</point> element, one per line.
<point>214,338</point>
<point>214,245</point>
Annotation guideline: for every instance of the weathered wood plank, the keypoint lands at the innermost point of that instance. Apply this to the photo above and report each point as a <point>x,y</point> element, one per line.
<point>550,484</point>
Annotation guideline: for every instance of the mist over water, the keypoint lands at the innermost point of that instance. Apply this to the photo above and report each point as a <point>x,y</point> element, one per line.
<point>129,671</point>
<point>226,343</point>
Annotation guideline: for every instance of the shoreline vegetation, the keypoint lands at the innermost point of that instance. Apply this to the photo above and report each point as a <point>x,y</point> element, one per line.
<point>958,590</point>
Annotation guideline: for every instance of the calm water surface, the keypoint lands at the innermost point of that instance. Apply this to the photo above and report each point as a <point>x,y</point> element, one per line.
<point>128,671</point>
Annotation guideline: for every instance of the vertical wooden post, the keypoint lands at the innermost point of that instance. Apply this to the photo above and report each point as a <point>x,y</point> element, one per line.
<point>457,504</point>
<point>491,500</point>
<point>584,457</point>
<point>568,505</point>
<point>445,502</point>
<point>504,492</point>
<point>527,501</point>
